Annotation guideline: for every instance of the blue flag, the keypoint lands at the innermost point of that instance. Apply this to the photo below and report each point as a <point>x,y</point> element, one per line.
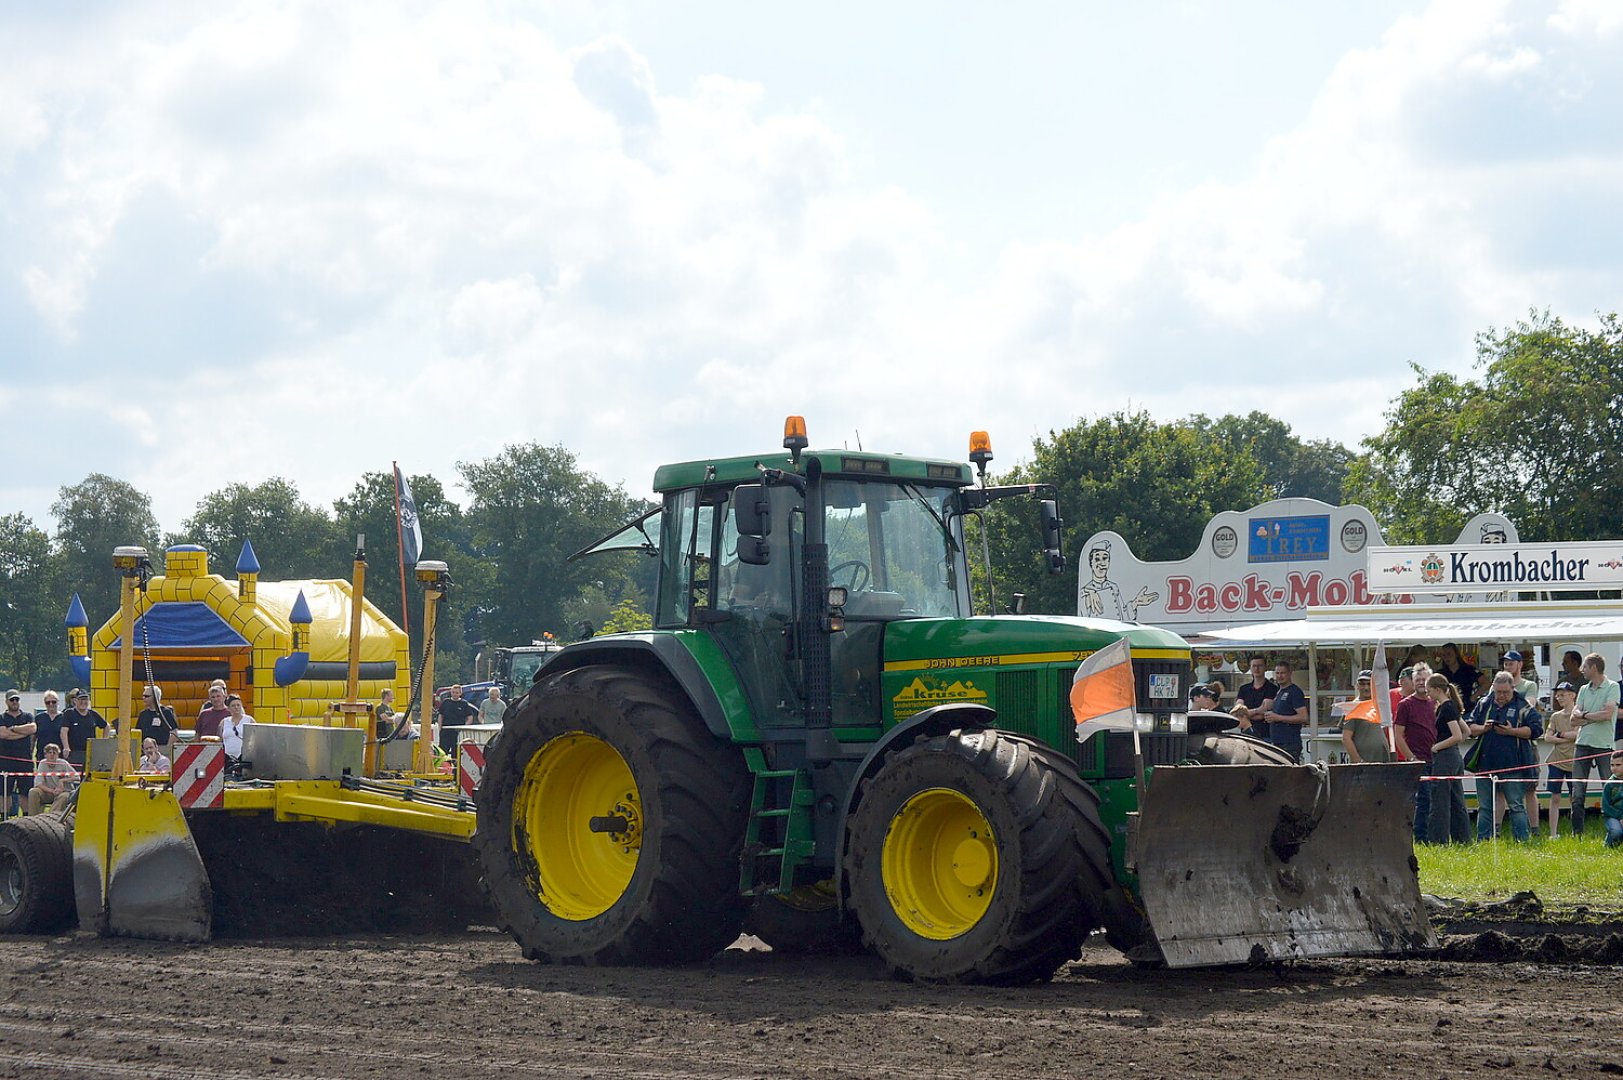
<point>411,533</point>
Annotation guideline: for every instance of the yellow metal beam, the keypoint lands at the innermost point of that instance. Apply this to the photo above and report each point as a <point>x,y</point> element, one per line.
<point>419,817</point>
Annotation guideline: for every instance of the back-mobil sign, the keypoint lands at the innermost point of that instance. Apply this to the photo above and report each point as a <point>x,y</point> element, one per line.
<point>1256,565</point>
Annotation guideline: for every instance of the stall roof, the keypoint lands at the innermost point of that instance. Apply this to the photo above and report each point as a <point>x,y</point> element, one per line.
<point>1433,624</point>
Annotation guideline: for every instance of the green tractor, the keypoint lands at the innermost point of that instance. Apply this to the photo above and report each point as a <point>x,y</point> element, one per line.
<point>821,742</point>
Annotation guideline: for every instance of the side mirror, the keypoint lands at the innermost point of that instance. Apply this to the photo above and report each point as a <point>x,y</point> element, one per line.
<point>1017,606</point>
<point>1052,524</point>
<point>752,512</point>
<point>754,550</point>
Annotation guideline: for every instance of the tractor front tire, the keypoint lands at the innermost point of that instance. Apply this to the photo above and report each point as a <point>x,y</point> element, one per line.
<point>611,823</point>
<point>977,856</point>
<point>36,875</point>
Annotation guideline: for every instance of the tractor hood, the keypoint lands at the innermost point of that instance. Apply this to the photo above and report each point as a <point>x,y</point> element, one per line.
<point>995,641</point>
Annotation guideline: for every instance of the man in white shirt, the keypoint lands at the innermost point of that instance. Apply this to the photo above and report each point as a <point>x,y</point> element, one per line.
<point>54,777</point>
<point>1596,710</point>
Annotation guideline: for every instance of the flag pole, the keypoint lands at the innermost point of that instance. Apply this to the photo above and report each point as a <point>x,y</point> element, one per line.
<point>400,551</point>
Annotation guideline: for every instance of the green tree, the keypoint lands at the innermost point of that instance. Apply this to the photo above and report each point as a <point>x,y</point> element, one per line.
<point>627,616</point>
<point>1538,436</point>
<point>1155,484</point>
<point>533,506</point>
<point>93,517</point>
<point>291,538</point>
<point>1292,469</point>
<point>32,646</point>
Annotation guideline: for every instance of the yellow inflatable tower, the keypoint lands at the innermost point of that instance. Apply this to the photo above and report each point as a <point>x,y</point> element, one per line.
<point>283,646</point>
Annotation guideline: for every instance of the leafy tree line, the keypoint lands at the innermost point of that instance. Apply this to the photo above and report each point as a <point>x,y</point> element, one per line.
<point>1536,433</point>
<point>530,507</point>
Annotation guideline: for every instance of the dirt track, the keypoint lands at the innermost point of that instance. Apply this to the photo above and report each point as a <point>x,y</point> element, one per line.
<point>81,1006</point>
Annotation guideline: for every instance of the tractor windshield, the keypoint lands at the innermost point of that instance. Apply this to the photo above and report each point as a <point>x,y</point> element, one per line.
<point>524,665</point>
<point>889,545</point>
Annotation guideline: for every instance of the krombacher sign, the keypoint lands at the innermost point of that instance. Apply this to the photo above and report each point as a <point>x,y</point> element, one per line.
<point>1586,566</point>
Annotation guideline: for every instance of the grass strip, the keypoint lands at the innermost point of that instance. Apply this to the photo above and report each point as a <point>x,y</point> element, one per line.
<point>1565,871</point>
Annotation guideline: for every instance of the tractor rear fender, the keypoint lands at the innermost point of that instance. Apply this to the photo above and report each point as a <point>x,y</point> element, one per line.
<point>689,658</point>
<point>938,720</point>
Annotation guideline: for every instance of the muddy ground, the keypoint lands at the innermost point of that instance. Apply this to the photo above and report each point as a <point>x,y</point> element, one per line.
<point>467,1004</point>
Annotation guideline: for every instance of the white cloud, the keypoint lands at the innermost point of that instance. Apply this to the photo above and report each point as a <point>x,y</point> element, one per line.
<point>420,232</point>
<point>1600,18</point>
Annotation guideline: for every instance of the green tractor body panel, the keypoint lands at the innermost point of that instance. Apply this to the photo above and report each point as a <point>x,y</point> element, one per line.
<point>1020,666</point>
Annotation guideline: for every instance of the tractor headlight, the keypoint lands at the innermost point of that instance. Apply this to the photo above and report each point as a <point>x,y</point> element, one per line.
<point>1143,722</point>
<point>1179,723</point>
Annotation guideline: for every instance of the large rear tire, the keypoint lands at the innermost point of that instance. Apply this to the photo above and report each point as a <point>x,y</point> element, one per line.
<point>36,875</point>
<point>1127,929</point>
<point>977,856</point>
<point>611,823</point>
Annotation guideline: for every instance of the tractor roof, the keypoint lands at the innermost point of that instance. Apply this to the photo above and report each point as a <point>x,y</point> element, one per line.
<point>855,464</point>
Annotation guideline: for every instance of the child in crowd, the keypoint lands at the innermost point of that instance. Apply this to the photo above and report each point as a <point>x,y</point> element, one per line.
<point>1611,802</point>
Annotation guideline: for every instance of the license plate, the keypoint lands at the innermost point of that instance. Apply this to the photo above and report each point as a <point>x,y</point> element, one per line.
<point>1164,687</point>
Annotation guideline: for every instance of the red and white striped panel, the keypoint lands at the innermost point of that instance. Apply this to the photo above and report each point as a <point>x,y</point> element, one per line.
<point>199,776</point>
<point>470,767</point>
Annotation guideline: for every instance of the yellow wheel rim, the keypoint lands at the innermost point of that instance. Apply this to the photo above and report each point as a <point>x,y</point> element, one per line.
<point>939,864</point>
<point>578,816</point>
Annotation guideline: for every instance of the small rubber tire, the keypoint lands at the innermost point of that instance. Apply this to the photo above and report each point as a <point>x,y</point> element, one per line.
<point>1052,858</point>
<point>681,902</point>
<point>36,875</point>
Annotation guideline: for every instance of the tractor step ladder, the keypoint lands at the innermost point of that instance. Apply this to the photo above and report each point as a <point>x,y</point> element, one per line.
<point>797,846</point>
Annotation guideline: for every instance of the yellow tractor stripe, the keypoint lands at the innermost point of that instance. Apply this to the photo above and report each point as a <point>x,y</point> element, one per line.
<point>1071,656</point>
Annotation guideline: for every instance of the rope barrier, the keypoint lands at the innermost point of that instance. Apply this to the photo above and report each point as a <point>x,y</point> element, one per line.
<point>1519,768</point>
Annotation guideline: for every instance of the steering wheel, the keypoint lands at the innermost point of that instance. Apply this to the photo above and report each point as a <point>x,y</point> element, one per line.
<point>859,574</point>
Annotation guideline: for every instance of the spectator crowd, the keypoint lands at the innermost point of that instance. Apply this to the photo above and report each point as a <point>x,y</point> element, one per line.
<point>1461,721</point>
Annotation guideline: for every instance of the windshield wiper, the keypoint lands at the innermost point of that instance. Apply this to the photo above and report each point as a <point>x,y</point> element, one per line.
<point>913,492</point>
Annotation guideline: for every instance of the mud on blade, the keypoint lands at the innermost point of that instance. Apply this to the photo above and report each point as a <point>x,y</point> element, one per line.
<point>1249,863</point>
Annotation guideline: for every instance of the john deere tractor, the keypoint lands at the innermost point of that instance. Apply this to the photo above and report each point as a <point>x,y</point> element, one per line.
<point>820,741</point>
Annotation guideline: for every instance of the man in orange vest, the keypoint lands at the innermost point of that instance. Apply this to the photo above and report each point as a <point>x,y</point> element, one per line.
<point>1361,733</point>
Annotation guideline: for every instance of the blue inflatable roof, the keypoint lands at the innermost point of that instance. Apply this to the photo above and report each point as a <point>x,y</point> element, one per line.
<point>183,626</point>
<point>247,562</point>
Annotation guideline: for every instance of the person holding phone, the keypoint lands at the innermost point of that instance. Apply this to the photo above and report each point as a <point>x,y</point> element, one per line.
<point>1506,724</point>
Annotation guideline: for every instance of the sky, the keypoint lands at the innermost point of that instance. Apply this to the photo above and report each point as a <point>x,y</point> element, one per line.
<point>251,239</point>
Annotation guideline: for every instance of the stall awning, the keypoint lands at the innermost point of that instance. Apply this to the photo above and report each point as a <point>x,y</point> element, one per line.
<point>1434,624</point>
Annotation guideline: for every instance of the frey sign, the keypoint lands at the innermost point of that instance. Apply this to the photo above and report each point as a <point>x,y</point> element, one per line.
<point>1586,566</point>
<point>1270,562</point>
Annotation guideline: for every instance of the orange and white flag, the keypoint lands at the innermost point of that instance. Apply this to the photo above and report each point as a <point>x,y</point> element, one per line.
<point>1102,692</point>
